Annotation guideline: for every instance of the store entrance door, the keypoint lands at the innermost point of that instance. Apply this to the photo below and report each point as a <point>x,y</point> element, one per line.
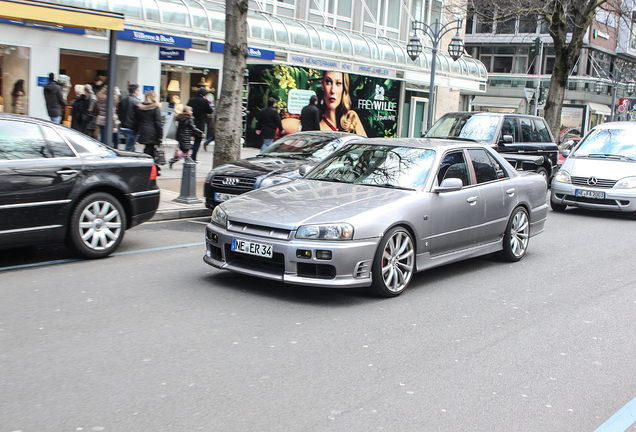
<point>417,123</point>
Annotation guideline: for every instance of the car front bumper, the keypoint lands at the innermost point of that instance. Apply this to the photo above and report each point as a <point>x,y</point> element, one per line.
<point>618,200</point>
<point>349,266</point>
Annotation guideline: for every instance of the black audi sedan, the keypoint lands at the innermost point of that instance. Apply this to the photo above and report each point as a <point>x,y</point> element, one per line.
<point>278,163</point>
<point>57,184</point>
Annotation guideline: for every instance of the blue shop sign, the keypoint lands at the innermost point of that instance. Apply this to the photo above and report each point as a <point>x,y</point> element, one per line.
<point>171,54</point>
<point>42,81</point>
<point>155,38</point>
<point>261,53</point>
<point>44,26</point>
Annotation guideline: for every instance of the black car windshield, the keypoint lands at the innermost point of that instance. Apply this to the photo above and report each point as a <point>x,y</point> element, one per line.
<point>607,143</point>
<point>305,146</point>
<point>377,165</point>
<point>474,127</point>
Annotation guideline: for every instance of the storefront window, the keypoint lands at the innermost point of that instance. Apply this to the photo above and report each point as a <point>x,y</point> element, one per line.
<point>179,83</point>
<point>14,66</point>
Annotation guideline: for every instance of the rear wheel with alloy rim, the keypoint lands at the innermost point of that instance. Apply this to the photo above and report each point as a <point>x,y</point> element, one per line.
<point>394,263</point>
<point>517,236</point>
<point>97,226</point>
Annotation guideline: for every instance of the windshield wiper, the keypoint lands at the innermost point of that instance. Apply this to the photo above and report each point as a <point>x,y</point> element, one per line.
<point>455,138</point>
<point>605,155</point>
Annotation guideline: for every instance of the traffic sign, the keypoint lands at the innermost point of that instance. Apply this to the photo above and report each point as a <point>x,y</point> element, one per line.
<point>529,94</point>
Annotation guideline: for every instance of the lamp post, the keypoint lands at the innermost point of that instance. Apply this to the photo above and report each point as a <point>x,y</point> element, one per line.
<point>435,34</point>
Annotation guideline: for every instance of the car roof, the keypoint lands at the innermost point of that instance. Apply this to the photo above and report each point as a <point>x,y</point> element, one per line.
<point>491,114</point>
<point>426,143</point>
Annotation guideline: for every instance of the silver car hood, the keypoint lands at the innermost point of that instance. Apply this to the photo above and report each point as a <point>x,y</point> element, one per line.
<point>610,169</point>
<point>303,202</point>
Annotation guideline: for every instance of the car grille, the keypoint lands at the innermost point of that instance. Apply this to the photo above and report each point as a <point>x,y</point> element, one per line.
<point>274,265</point>
<point>259,230</point>
<point>235,183</point>
<point>600,183</point>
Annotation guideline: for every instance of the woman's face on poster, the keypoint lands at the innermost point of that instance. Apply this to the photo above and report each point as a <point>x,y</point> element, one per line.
<point>332,87</point>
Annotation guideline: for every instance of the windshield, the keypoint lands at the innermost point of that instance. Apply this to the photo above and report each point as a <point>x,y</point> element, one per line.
<point>607,142</point>
<point>314,147</point>
<point>378,165</point>
<point>474,127</point>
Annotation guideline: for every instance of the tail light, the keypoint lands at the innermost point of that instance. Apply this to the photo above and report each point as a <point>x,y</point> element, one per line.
<point>153,172</point>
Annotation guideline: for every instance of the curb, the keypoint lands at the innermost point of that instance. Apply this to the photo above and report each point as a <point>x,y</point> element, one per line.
<point>162,215</point>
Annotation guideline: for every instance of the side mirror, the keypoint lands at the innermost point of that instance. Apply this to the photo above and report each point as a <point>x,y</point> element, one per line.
<point>304,169</point>
<point>506,139</point>
<point>449,185</point>
<point>565,153</point>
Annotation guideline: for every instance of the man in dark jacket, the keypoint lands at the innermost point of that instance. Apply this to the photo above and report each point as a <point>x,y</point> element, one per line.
<point>200,110</point>
<point>126,114</point>
<point>55,102</point>
<point>310,116</point>
<point>268,122</point>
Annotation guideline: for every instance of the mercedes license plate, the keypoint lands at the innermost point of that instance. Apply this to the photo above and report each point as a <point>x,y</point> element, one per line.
<point>589,194</point>
<point>252,248</point>
<point>221,197</point>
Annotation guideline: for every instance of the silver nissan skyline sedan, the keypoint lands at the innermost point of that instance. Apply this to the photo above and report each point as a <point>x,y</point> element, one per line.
<point>377,211</point>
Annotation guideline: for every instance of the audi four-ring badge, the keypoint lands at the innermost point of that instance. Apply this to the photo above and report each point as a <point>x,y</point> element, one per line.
<point>278,163</point>
<point>377,211</point>
<point>599,172</point>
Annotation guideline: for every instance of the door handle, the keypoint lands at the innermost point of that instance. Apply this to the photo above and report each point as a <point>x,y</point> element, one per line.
<point>511,192</point>
<point>472,200</point>
<point>68,173</point>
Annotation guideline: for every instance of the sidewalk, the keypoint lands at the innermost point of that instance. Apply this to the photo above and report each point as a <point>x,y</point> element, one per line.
<point>170,184</point>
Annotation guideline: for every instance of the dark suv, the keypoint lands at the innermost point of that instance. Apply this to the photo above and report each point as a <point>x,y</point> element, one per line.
<point>519,138</point>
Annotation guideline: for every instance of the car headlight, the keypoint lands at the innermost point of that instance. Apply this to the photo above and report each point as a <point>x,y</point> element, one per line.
<point>274,180</point>
<point>563,177</point>
<point>626,183</point>
<point>341,231</point>
<point>219,216</point>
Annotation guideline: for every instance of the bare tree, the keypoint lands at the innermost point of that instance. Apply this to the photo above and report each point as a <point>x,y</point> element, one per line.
<point>563,17</point>
<point>229,125</point>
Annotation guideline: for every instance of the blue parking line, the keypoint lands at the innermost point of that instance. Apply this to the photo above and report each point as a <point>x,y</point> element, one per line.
<point>45,263</point>
<point>622,420</point>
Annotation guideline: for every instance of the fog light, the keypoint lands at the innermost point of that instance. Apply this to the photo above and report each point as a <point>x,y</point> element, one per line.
<point>323,254</point>
<point>302,253</point>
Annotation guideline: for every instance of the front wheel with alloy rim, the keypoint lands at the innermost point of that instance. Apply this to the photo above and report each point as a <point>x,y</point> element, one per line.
<point>394,263</point>
<point>97,226</point>
<point>517,235</point>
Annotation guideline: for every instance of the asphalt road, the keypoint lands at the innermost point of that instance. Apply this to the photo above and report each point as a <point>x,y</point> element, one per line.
<point>153,339</point>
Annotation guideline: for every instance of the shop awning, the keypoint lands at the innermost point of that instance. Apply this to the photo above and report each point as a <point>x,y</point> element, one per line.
<point>598,108</point>
<point>38,12</point>
<point>501,102</point>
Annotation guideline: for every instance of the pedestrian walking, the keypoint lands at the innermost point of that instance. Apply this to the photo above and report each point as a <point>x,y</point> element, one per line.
<point>126,113</point>
<point>211,130</point>
<point>55,102</point>
<point>82,114</point>
<point>200,110</point>
<point>186,129</point>
<point>268,122</point>
<point>310,115</point>
<point>149,125</point>
<point>101,116</point>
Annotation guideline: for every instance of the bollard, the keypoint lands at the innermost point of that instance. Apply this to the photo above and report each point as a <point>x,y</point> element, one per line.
<point>188,183</point>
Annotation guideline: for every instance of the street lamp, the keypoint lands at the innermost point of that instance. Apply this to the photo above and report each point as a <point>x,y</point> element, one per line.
<point>631,87</point>
<point>435,34</point>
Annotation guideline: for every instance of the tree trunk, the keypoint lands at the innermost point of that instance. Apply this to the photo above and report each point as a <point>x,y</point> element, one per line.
<point>229,106</point>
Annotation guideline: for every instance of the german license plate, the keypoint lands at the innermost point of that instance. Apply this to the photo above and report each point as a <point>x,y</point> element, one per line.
<point>589,194</point>
<point>252,248</point>
<point>221,197</point>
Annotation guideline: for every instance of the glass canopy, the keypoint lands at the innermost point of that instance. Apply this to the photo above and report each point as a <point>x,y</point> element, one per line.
<point>206,20</point>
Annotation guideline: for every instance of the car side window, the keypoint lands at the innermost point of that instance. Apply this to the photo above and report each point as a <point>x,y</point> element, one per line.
<point>22,140</point>
<point>509,127</point>
<point>542,131</point>
<point>486,167</point>
<point>454,166</point>
<point>57,144</point>
<point>528,133</point>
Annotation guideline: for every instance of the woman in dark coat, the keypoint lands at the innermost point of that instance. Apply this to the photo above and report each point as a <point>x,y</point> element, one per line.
<point>148,123</point>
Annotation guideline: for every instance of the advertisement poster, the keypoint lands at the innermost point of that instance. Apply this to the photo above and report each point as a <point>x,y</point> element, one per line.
<point>348,102</point>
<point>573,121</point>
